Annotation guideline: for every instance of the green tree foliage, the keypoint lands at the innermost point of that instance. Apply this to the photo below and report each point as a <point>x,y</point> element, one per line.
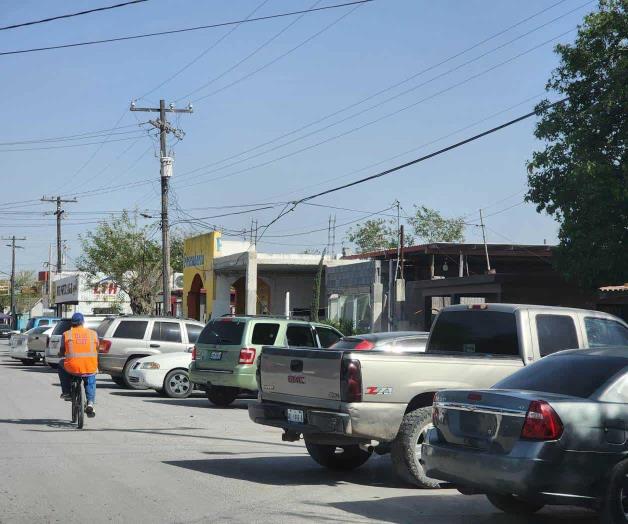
<point>176,252</point>
<point>581,176</point>
<point>123,250</point>
<point>373,235</point>
<point>430,226</point>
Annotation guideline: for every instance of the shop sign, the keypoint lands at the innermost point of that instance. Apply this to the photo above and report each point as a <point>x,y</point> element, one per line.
<point>194,261</point>
<point>67,289</point>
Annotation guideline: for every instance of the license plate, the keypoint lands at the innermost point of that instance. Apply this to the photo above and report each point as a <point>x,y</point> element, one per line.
<point>215,355</point>
<point>295,415</point>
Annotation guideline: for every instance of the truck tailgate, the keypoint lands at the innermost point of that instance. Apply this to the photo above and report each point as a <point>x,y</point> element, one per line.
<point>309,377</point>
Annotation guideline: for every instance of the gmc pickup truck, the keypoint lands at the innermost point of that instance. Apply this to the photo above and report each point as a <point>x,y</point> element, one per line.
<point>348,404</point>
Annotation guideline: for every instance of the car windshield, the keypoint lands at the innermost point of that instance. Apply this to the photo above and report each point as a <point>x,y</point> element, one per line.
<point>62,326</point>
<point>224,331</point>
<point>573,375</point>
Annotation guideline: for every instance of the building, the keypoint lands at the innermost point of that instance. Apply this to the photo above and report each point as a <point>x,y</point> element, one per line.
<point>78,292</point>
<point>225,276</point>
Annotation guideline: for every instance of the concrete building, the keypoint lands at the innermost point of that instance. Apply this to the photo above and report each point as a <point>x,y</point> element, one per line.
<point>78,292</point>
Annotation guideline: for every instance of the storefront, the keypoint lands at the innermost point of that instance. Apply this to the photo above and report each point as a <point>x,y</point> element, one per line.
<point>83,294</point>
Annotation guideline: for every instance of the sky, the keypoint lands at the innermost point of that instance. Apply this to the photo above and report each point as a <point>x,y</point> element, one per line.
<point>282,109</point>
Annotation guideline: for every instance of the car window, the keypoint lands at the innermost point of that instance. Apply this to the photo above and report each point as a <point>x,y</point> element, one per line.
<point>102,328</point>
<point>92,323</point>
<point>62,326</point>
<point>166,332</point>
<point>223,331</point>
<point>43,322</point>
<point>264,334</point>
<point>555,332</point>
<point>131,329</point>
<point>605,332</point>
<point>475,331</point>
<point>575,375</point>
<point>193,332</point>
<point>327,336</point>
<point>38,330</point>
<point>618,391</point>
<point>300,335</point>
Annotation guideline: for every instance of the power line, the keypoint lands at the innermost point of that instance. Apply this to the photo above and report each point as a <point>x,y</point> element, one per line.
<point>71,15</point>
<point>80,136</point>
<point>184,30</point>
<point>46,148</point>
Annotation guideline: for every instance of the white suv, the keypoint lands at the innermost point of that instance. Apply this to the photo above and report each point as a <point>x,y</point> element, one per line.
<point>124,340</point>
<point>56,337</point>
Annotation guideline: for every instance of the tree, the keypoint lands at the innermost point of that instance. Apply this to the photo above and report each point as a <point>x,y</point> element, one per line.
<point>580,177</point>
<point>122,250</point>
<point>176,253</point>
<point>373,235</point>
<point>430,226</point>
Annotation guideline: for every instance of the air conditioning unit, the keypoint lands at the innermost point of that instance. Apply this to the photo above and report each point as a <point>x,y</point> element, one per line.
<point>177,281</point>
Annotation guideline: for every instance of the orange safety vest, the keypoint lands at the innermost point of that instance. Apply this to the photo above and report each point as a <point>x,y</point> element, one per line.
<point>81,351</point>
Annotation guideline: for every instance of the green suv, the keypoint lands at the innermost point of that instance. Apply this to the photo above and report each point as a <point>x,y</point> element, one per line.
<point>224,360</point>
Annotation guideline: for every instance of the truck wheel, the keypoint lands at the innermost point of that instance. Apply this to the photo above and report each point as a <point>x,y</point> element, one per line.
<point>338,458</point>
<point>406,448</point>
<point>615,505</point>
<point>221,395</point>
<point>513,505</point>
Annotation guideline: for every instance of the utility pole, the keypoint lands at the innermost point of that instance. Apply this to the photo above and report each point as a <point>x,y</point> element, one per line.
<point>165,172</point>
<point>488,262</point>
<point>59,214</point>
<point>13,247</point>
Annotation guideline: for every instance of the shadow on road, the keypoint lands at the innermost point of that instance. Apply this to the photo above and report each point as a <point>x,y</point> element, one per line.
<point>200,402</point>
<point>295,470</point>
<point>447,508</point>
<point>50,422</point>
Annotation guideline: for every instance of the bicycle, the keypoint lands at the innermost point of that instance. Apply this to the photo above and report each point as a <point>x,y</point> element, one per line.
<point>78,405</point>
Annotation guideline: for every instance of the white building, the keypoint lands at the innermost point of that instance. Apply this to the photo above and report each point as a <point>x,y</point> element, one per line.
<point>80,293</point>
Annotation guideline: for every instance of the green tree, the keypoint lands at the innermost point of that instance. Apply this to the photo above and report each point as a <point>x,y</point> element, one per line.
<point>430,226</point>
<point>176,252</point>
<point>124,251</point>
<point>580,177</point>
<point>373,235</point>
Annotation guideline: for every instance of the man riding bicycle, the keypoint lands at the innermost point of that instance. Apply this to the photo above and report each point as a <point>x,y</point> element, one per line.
<point>80,350</point>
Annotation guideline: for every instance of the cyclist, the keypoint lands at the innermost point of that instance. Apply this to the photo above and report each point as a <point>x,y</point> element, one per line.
<point>80,349</point>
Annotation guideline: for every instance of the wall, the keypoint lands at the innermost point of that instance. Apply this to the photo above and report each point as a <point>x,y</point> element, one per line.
<point>199,253</point>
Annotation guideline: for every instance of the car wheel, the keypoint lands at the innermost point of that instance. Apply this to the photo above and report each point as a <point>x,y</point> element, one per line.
<point>406,449</point>
<point>177,384</point>
<point>27,361</point>
<point>125,374</point>
<point>118,380</point>
<point>615,505</point>
<point>513,505</point>
<point>221,395</point>
<point>338,458</point>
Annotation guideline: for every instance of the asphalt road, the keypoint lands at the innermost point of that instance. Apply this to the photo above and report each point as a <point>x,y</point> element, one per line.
<point>148,459</point>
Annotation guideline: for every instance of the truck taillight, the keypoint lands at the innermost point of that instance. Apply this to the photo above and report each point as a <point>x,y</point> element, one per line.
<point>542,422</point>
<point>364,344</point>
<point>351,381</point>
<point>104,346</point>
<point>247,356</point>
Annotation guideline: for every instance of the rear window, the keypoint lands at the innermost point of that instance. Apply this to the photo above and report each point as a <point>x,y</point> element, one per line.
<point>43,322</point>
<point>605,332</point>
<point>300,336</point>
<point>574,375</point>
<point>475,331</point>
<point>264,334</point>
<point>134,329</point>
<point>556,332</point>
<point>224,332</point>
<point>194,331</point>
<point>62,326</point>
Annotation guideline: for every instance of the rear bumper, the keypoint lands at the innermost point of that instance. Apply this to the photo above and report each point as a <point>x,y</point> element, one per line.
<point>111,365</point>
<point>227,378</point>
<point>560,477</point>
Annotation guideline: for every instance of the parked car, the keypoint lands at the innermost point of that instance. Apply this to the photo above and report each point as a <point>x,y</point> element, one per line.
<point>6,331</point>
<point>395,341</point>
<point>40,321</point>
<point>363,401</point>
<point>56,337</point>
<point>224,363</point>
<point>552,433</point>
<point>166,373</point>
<point>18,345</point>
<point>37,342</point>
<point>126,339</point>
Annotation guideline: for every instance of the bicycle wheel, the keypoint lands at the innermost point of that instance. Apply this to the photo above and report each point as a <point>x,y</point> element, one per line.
<point>74,402</point>
<point>80,412</point>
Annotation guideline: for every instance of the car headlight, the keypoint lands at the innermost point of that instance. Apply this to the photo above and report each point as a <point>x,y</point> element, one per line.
<point>150,365</point>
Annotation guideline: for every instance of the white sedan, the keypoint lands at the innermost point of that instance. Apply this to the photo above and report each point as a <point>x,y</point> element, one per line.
<point>167,373</point>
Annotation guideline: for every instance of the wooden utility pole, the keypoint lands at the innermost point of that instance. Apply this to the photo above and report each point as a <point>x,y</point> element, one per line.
<point>59,214</point>
<point>165,172</point>
<point>13,247</point>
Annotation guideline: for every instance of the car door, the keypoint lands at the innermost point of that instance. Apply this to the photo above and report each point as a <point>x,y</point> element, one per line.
<point>166,337</point>
<point>554,332</point>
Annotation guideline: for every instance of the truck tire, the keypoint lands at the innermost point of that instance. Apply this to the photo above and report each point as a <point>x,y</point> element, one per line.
<point>616,498</point>
<point>221,395</point>
<point>337,458</point>
<point>513,505</point>
<point>406,449</point>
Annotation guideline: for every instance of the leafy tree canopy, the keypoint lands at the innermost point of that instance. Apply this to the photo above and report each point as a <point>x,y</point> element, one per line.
<point>581,175</point>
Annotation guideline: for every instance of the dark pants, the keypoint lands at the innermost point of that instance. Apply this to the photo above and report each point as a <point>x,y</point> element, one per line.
<point>66,382</point>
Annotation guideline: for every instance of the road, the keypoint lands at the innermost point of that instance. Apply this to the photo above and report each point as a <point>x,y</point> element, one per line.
<point>148,459</point>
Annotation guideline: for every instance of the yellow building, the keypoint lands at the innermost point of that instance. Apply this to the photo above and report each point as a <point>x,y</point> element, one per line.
<point>198,276</point>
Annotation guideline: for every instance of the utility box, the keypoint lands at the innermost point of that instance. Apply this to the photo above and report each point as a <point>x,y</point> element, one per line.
<point>166,166</point>
<point>400,290</point>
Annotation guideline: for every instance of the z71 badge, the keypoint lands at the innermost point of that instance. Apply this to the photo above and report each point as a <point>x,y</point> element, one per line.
<point>379,390</point>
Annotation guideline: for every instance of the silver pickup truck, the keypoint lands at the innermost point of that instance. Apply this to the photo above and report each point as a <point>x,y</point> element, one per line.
<point>348,404</point>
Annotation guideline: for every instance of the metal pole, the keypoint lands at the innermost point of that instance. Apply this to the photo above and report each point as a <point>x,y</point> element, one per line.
<point>488,262</point>
<point>13,317</point>
<point>58,213</point>
<point>165,228</point>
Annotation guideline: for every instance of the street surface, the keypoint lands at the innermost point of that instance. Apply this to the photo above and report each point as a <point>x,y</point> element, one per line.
<point>149,459</point>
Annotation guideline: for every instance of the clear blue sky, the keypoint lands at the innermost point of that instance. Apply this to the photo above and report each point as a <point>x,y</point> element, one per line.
<point>72,91</point>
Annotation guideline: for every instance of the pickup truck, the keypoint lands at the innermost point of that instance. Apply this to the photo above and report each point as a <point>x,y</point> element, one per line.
<point>348,404</point>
